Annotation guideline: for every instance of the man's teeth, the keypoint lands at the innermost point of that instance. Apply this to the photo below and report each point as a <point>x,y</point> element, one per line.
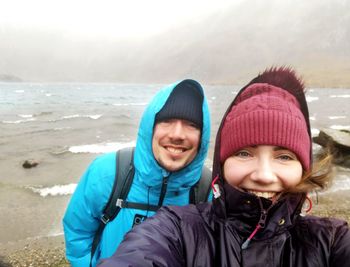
<point>175,150</point>
<point>267,195</point>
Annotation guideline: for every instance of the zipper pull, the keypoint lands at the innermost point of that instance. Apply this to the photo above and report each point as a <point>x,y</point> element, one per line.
<point>163,190</point>
<point>261,224</point>
<point>262,219</point>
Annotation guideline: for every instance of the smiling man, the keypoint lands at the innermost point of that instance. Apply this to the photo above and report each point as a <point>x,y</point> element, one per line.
<point>177,132</point>
<point>170,151</point>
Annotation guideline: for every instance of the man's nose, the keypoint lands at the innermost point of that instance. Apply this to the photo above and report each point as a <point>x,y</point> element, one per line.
<point>264,172</point>
<point>177,130</point>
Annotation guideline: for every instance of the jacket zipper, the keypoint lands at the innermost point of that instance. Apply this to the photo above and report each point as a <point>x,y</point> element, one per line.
<point>260,225</point>
<point>163,191</point>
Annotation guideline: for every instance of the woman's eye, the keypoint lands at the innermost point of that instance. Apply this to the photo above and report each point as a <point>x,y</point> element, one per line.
<point>286,157</point>
<point>243,154</point>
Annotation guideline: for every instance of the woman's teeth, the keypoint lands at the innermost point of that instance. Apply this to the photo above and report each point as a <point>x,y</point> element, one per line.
<point>267,195</point>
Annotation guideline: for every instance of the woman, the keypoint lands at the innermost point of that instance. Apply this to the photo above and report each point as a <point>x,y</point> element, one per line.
<point>262,172</point>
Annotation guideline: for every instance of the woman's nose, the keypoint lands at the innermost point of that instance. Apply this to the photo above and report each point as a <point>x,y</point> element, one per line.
<point>264,172</point>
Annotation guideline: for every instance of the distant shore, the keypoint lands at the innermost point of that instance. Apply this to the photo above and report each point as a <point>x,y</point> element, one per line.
<point>49,251</point>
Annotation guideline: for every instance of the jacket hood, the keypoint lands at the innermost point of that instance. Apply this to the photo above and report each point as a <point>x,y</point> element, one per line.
<point>151,173</point>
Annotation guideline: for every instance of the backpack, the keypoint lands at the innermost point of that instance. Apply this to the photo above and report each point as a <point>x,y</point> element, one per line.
<point>123,180</point>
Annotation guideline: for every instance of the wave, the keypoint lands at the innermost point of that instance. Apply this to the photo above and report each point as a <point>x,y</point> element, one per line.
<point>94,117</point>
<point>25,116</point>
<point>311,98</point>
<point>28,117</point>
<point>19,121</point>
<point>56,190</point>
<point>74,116</point>
<point>336,117</point>
<point>315,132</point>
<point>61,128</point>
<point>342,96</point>
<point>100,148</point>
<point>340,127</point>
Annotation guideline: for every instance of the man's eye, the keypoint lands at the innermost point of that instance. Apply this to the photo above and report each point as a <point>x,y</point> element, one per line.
<point>166,121</point>
<point>193,125</point>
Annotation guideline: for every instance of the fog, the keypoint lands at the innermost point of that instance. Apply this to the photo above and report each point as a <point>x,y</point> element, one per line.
<point>223,42</point>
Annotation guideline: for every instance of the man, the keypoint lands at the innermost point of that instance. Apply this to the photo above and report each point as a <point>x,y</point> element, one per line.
<point>171,147</point>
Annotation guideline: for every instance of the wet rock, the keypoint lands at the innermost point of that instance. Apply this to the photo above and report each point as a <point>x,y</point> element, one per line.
<point>30,163</point>
<point>339,143</point>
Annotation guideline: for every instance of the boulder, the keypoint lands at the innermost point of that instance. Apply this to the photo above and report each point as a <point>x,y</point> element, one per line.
<point>30,163</point>
<point>339,143</point>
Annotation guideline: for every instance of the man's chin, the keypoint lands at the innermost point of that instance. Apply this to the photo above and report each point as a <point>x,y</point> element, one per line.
<point>172,166</point>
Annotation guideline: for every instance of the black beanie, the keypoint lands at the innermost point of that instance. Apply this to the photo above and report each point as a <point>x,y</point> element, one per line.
<point>185,102</point>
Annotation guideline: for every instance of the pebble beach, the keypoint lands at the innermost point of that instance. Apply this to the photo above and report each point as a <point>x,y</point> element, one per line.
<point>49,251</point>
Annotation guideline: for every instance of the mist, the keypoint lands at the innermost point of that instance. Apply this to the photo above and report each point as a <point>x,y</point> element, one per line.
<point>224,45</point>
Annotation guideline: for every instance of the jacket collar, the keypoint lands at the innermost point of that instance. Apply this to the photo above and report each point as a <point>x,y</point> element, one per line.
<point>245,211</point>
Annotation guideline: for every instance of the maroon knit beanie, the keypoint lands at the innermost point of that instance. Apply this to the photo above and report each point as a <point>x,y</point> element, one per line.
<point>264,114</point>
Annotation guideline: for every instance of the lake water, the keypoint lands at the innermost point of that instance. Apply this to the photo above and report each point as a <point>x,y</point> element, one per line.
<point>65,125</point>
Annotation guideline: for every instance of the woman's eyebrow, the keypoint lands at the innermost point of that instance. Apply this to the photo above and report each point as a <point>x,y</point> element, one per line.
<point>278,148</point>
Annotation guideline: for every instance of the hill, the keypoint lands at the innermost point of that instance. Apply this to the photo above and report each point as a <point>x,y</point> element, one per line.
<point>226,47</point>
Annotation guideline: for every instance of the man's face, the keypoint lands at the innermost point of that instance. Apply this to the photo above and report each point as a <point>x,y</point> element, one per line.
<point>175,143</point>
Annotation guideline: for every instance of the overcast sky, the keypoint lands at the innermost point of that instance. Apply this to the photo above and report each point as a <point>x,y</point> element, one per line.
<point>104,18</point>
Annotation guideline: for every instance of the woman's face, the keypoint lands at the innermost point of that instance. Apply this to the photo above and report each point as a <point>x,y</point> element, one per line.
<point>263,170</point>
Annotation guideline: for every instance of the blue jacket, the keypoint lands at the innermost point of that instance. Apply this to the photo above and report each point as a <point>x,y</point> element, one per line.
<point>88,201</point>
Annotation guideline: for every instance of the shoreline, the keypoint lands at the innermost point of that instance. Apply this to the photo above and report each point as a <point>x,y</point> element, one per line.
<point>50,251</point>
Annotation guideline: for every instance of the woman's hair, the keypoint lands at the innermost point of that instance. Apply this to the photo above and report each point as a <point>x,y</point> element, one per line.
<point>320,176</point>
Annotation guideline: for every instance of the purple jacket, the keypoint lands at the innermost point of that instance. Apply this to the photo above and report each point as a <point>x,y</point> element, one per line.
<point>204,235</point>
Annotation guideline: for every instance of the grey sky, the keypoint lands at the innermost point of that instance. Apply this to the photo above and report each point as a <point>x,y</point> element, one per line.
<point>103,18</point>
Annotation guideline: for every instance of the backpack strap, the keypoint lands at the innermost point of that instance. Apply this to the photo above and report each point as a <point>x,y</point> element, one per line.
<point>124,176</point>
<point>201,190</point>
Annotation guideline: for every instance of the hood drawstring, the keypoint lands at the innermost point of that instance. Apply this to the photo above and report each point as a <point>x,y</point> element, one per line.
<point>246,243</point>
<point>215,187</point>
<point>306,208</point>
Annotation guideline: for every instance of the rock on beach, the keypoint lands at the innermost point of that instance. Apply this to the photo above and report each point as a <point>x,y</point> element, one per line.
<point>339,143</point>
<point>30,163</point>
